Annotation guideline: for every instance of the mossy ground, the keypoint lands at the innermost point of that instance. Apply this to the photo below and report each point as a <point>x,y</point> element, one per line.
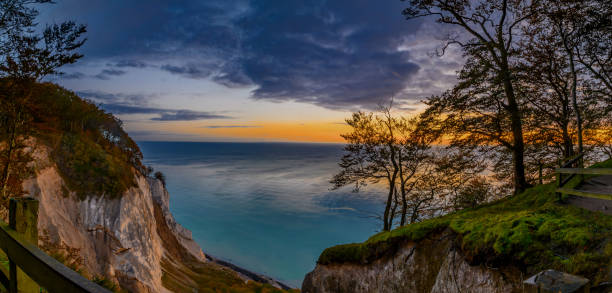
<point>531,230</point>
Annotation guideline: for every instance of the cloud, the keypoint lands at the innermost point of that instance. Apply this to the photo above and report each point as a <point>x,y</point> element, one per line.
<point>105,74</point>
<point>187,115</point>
<point>121,104</point>
<point>340,54</point>
<point>72,75</point>
<point>130,63</point>
<point>231,126</point>
<point>189,70</point>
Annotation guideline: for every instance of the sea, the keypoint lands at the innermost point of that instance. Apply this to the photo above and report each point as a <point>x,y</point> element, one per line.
<point>266,207</point>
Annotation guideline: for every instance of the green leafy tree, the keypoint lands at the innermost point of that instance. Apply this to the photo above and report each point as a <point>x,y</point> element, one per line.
<point>383,148</point>
<point>489,31</point>
<point>27,56</point>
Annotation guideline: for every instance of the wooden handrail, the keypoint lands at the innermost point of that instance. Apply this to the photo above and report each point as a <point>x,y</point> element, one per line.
<point>587,171</point>
<point>47,272</point>
<point>566,168</point>
<point>570,161</point>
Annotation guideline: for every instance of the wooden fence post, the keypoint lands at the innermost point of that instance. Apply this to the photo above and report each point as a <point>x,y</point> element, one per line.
<point>540,177</point>
<point>559,179</point>
<point>23,218</point>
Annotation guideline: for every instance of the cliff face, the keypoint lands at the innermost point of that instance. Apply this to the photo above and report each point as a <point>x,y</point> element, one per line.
<point>124,239</point>
<point>433,264</point>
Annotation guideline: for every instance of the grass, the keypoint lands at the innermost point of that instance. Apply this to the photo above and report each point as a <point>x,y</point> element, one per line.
<point>531,230</point>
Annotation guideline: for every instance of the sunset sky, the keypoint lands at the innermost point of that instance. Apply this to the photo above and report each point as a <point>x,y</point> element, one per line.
<point>237,70</point>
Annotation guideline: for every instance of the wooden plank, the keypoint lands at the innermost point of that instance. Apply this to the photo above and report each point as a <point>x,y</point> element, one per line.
<point>585,193</point>
<point>45,270</point>
<point>590,171</point>
<point>4,280</point>
<point>591,204</point>
<point>12,276</point>
<point>23,214</point>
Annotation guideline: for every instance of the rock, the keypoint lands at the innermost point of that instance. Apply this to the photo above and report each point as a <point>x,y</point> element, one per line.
<point>430,265</point>
<point>554,281</point>
<point>115,238</point>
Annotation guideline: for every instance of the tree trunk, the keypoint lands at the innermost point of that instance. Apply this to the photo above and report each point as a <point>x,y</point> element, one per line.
<point>386,220</point>
<point>389,200</point>
<point>568,146</point>
<point>7,165</point>
<point>570,56</point>
<point>574,99</point>
<point>403,190</point>
<point>518,150</point>
<point>393,209</point>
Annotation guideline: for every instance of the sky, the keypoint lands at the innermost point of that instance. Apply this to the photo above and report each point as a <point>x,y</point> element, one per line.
<point>240,70</point>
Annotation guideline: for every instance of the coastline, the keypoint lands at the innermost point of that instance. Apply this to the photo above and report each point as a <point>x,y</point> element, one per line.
<point>247,274</point>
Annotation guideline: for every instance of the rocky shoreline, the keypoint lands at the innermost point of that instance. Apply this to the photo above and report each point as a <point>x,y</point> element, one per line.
<point>249,275</point>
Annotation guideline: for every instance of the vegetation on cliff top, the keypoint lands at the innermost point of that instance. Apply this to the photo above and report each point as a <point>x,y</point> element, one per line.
<point>531,230</point>
<point>93,153</point>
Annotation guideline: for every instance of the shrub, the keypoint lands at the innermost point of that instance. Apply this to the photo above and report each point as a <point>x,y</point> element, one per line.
<point>161,177</point>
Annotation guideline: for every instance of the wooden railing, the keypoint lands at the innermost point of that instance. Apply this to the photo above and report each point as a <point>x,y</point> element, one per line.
<point>30,269</point>
<point>572,168</point>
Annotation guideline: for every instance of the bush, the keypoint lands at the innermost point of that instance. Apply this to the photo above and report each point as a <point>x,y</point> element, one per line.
<point>88,169</point>
<point>473,194</point>
<point>161,177</point>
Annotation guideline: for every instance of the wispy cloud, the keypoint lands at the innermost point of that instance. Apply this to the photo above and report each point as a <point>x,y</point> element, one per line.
<point>105,74</point>
<point>72,75</point>
<point>122,104</point>
<point>129,64</point>
<point>189,70</point>
<point>186,115</point>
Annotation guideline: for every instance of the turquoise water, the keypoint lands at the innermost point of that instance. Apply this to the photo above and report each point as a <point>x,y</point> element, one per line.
<point>266,207</point>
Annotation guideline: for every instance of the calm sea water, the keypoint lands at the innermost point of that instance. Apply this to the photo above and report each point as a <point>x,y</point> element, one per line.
<point>264,206</point>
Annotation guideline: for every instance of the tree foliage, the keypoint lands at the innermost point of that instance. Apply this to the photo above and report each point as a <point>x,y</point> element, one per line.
<point>489,35</point>
<point>26,56</point>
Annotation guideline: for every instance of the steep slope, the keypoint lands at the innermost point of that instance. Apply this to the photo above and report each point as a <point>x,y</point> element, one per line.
<point>492,248</point>
<point>116,238</point>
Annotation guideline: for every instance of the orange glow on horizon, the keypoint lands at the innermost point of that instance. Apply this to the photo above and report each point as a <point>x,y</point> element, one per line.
<point>313,131</point>
<point>297,132</point>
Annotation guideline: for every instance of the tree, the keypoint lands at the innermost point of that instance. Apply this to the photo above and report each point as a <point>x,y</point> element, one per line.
<point>592,42</point>
<point>161,177</point>
<point>565,95</point>
<point>26,57</point>
<point>547,79</point>
<point>384,148</point>
<point>489,33</point>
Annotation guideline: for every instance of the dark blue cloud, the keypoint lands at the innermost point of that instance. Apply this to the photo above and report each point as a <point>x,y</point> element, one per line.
<point>129,63</point>
<point>137,104</point>
<point>72,75</point>
<point>106,74</point>
<point>187,115</point>
<point>189,70</point>
<point>336,54</point>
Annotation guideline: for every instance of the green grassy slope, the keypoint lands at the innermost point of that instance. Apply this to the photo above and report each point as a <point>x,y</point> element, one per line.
<point>531,230</point>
